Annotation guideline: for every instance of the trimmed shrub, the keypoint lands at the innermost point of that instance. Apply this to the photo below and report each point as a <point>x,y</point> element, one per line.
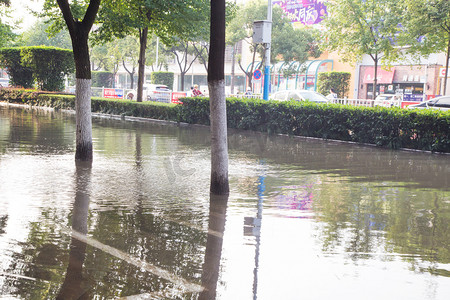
<point>102,79</point>
<point>386,127</point>
<point>339,81</point>
<point>49,65</point>
<point>19,75</point>
<point>166,78</point>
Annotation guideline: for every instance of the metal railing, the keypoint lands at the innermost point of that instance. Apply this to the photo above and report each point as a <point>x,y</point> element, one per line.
<point>354,102</point>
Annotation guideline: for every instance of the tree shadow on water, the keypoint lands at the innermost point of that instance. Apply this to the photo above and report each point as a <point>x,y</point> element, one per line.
<point>213,253</point>
<point>74,285</point>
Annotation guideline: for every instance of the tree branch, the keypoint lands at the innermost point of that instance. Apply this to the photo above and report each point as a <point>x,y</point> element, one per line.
<point>67,15</point>
<point>89,16</point>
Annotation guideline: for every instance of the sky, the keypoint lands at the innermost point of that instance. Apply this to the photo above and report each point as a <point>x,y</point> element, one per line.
<point>20,12</point>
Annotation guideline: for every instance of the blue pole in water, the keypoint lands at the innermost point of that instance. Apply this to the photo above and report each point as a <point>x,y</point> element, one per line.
<point>266,82</point>
<point>267,54</point>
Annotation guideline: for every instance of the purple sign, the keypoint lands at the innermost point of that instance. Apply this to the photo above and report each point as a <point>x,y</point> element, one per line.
<point>308,12</point>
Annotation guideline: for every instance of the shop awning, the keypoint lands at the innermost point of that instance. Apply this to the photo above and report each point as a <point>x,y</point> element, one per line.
<point>383,76</point>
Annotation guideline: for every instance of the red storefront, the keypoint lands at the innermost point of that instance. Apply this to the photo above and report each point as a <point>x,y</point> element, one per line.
<point>415,83</point>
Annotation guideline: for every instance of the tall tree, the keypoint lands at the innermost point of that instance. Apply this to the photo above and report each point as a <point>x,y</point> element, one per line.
<point>358,27</point>
<point>218,112</point>
<point>426,29</point>
<point>185,55</point>
<point>182,18</point>
<point>79,33</point>
<point>129,49</point>
<point>7,36</point>
<point>288,43</point>
<point>39,35</point>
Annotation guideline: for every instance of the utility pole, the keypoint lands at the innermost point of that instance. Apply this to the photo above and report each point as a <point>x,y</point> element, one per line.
<point>267,54</point>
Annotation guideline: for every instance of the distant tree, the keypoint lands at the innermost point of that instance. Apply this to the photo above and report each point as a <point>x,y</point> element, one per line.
<point>185,55</point>
<point>426,28</point>
<point>154,47</point>
<point>357,27</point>
<point>141,18</point>
<point>99,57</point>
<point>129,50</point>
<point>240,28</point>
<point>39,35</point>
<point>288,43</point>
<point>7,36</point>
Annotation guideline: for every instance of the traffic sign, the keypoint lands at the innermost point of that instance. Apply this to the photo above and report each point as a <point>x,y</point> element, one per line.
<point>257,74</point>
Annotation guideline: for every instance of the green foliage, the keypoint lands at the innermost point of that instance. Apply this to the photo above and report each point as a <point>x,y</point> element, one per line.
<point>428,19</point>
<point>357,27</point>
<point>102,79</point>
<point>38,35</point>
<point>19,75</point>
<point>7,36</point>
<point>186,18</point>
<point>49,65</point>
<point>386,127</point>
<point>339,81</point>
<point>166,78</point>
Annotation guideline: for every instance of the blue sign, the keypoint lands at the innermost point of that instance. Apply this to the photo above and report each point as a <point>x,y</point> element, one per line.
<point>257,74</point>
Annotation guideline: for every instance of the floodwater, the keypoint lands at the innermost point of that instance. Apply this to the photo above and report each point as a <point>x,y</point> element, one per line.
<point>305,219</point>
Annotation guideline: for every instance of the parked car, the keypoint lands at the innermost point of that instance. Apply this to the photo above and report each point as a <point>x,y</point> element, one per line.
<point>299,95</point>
<point>157,92</point>
<point>4,82</point>
<point>441,103</point>
<point>388,100</point>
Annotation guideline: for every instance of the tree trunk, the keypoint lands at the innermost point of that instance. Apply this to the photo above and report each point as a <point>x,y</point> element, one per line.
<point>375,80</point>
<point>218,112</point>
<point>131,73</point>
<point>83,120</point>
<point>182,80</point>
<point>82,95</point>
<point>79,33</point>
<point>446,67</point>
<point>143,34</point>
<point>233,63</point>
<point>214,242</point>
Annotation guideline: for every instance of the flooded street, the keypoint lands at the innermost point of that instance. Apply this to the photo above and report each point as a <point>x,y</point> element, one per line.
<point>305,219</point>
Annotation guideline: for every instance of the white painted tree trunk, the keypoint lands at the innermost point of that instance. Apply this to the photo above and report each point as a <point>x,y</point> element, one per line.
<point>83,120</point>
<point>219,143</point>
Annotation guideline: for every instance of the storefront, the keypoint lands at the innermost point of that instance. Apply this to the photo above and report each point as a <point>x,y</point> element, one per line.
<point>414,83</point>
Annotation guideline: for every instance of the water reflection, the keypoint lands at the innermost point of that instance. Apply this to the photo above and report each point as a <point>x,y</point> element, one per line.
<point>74,285</point>
<point>348,217</point>
<point>213,251</point>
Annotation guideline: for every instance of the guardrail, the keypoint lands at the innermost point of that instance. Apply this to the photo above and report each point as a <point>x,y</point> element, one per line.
<point>354,102</point>
<point>113,93</point>
<point>173,97</point>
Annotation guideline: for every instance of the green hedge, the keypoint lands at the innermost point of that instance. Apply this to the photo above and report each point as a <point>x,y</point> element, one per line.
<point>165,78</point>
<point>44,65</point>
<point>387,127</point>
<point>339,81</point>
<point>49,65</point>
<point>19,75</point>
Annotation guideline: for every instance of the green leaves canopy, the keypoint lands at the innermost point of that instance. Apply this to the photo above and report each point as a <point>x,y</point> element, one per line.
<point>357,27</point>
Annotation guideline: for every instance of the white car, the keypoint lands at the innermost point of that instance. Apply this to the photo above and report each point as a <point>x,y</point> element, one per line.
<point>157,92</point>
<point>4,82</point>
<point>299,95</point>
<point>388,100</point>
<point>441,103</point>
